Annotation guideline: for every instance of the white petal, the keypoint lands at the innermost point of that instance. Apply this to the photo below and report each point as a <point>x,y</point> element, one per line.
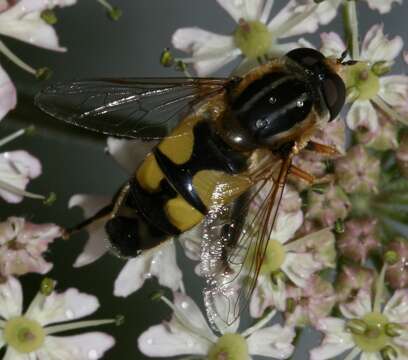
<point>164,266</point>
<point>359,307</point>
<point>335,342</point>
<point>12,354</point>
<point>267,294</point>
<point>8,94</point>
<point>16,169</point>
<point>383,6</point>
<point>322,14</point>
<point>299,267</point>
<point>396,309</point>
<point>245,9</point>
<point>362,114</point>
<point>159,261</point>
<point>273,341</point>
<point>191,242</point>
<point>191,315</point>
<point>377,47</point>
<point>11,298</point>
<point>23,21</point>
<point>332,44</point>
<point>97,244</point>
<point>371,356</point>
<point>394,90</point>
<point>66,306</point>
<point>287,223</point>
<point>128,153</point>
<point>133,275</point>
<point>210,51</point>
<point>90,346</point>
<point>162,341</point>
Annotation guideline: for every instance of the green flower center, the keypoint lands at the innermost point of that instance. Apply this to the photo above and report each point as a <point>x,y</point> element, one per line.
<point>23,334</point>
<point>362,81</point>
<point>229,347</point>
<point>253,38</point>
<point>274,257</point>
<point>374,338</point>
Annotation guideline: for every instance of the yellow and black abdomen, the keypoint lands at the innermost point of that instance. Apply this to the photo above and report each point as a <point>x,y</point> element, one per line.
<point>174,186</point>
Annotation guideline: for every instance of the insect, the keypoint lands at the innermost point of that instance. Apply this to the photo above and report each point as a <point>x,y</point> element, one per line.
<point>222,142</point>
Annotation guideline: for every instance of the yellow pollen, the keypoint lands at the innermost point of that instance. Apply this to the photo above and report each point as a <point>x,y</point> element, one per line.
<point>229,347</point>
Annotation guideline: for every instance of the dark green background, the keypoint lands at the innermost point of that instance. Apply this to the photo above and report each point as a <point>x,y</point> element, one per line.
<point>74,161</point>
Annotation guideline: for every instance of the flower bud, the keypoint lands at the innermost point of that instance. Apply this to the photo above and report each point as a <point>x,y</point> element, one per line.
<point>359,239</point>
<point>326,208</point>
<point>358,171</point>
<point>351,279</point>
<point>397,272</point>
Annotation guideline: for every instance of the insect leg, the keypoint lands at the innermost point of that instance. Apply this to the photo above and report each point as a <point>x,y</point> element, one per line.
<point>103,213</point>
<point>298,172</point>
<point>323,149</point>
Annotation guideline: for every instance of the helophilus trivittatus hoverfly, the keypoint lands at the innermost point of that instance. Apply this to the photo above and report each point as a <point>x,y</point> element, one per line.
<point>223,141</point>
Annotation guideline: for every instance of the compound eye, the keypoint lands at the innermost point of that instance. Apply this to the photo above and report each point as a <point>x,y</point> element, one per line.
<point>306,57</point>
<point>334,93</point>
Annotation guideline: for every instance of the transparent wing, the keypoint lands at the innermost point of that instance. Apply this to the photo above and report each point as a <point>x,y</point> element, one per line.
<point>235,239</point>
<point>130,108</point>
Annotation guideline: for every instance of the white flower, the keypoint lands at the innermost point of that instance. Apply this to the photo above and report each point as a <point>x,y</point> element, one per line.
<point>17,168</point>
<point>30,335</point>
<point>383,6</point>
<point>159,261</point>
<point>297,260</point>
<point>8,95</point>
<point>188,333</point>
<point>366,329</point>
<point>255,35</point>
<point>22,245</point>
<point>368,88</point>
<point>21,20</point>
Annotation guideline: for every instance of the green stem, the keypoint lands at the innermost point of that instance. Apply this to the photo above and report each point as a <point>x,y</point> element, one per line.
<point>350,23</point>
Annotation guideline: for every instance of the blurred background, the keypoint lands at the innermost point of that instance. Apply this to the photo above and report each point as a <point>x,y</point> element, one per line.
<point>74,161</point>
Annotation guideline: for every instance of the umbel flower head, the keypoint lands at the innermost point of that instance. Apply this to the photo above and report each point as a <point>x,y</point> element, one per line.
<point>31,335</point>
<point>255,35</point>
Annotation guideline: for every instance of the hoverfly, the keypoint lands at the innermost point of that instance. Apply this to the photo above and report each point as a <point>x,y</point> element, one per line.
<point>223,141</point>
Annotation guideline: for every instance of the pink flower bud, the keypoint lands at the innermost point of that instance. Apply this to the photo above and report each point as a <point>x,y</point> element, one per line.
<point>351,279</point>
<point>359,239</point>
<point>397,273</point>
<point>358,171</point>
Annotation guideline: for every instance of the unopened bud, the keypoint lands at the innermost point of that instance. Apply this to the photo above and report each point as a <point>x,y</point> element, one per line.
<point>181,65</point>
<point>391,257</point>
